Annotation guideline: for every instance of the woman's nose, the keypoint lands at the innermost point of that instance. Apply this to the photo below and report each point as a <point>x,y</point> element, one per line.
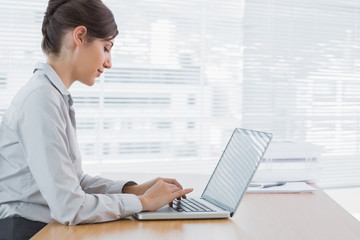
<point>108,63</point>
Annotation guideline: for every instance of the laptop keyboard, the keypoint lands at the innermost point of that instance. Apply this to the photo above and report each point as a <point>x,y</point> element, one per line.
<point>190,205</point>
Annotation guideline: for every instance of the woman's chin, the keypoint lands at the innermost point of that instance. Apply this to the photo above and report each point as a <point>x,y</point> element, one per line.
<point>88,82</point>
<point>91,83</point>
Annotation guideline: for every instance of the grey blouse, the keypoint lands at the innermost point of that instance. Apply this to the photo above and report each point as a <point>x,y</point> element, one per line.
<point>41,177</point>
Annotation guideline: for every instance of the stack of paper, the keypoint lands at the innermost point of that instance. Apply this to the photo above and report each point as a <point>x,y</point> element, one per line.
<point>289,187</point>
<point>309,175</point>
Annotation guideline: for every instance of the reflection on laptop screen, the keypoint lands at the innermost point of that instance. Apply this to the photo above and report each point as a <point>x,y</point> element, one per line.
<point>236,168</point>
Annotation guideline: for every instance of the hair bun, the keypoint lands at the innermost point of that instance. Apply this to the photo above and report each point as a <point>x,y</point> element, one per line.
<point>53,5</point>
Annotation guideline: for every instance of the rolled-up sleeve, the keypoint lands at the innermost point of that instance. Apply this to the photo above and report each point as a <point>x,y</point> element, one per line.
<point>42,133</point>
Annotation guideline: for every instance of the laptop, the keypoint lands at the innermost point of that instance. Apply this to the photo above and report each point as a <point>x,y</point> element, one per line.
<point>227,184</point>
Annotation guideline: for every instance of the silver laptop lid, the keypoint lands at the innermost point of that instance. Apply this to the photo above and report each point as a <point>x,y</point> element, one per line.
<point>236,168</point>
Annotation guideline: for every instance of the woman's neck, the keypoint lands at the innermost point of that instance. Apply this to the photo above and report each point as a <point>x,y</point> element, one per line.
<point>64,68</point>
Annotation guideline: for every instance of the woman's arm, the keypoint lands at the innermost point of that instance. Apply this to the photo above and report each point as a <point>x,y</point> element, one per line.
<point>43,136</point>
<point>97,184</point>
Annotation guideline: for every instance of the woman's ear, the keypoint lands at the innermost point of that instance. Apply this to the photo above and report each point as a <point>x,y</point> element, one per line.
<point>79,35</point>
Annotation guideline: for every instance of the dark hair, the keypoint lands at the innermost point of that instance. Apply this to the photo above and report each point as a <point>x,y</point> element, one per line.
<point>62,15</point>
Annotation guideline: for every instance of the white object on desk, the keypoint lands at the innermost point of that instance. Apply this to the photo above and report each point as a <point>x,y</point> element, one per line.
<point>289,187</point>
<point>288,175</point>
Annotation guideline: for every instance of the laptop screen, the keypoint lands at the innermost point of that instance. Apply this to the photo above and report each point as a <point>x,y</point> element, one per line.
<point>236,168</point>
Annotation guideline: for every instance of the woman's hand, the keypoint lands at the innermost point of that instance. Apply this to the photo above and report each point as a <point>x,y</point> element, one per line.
<point>139,190</point>
<point>162,192</point>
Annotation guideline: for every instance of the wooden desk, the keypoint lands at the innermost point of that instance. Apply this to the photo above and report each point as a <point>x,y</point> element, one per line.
<point>260,216</point>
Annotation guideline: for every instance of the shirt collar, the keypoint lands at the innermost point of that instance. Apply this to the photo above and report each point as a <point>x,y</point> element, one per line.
<point>53,77</point>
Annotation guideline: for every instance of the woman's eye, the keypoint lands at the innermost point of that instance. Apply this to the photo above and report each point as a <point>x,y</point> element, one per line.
<point>106,50</point>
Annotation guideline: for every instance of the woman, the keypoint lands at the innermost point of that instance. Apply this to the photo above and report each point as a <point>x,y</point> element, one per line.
<point>40,164</point>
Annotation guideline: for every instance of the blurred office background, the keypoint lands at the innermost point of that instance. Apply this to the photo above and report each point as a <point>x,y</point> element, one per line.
<point>185,73</point>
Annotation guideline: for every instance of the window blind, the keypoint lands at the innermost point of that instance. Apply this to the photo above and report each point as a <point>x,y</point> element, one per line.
<point>20,38</point>
<point>172,97</point>
<point>301,78</point>
<point>185,73</point>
